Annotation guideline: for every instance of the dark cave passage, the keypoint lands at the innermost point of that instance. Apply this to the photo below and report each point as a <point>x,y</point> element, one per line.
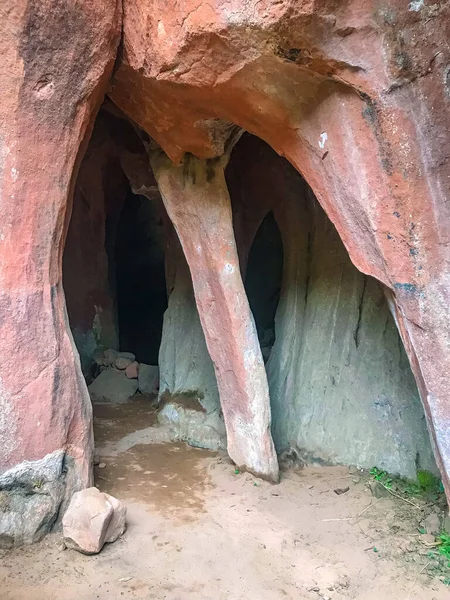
<point>263,279</point>
<point>114,258</point>
<point>140,278</point>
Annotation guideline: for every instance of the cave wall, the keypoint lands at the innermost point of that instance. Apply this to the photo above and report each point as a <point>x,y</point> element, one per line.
<point>356,97</point>
<point>341,386</point>
<point>342,390</point>
<point>184,362</point>
<point>88,280</point>
<point>51,93</point>
<point>114,232</point>
<point>185,367</point>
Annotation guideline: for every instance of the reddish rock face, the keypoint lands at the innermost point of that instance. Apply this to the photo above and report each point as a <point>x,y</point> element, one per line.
<point>356,96</point>
<point>56,60</point>
<point>196,198</point>
<point>100,191</point>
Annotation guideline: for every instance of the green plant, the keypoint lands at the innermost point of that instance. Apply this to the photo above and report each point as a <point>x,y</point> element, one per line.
<point>444,548</point>
<point>381,476</point>
<point>429,482</point>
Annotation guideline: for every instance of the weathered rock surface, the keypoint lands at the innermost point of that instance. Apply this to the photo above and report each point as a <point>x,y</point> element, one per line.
<point>112,386</point>
<point>122,363</point>
<point>110,357</point>
<point>132,370</point>
<point>148,379</point>
<point>196,197</point>
<point>191,422</point>
<point>184,361</point>
<point>353,105</point>
<point>341,386</point>
<point>92,519</point>
<point>365,410</point>
<point>354,95</point>
<point>117,525</point>
<point>127,356</point>
<point>31,495</point>
<point>51,92</point>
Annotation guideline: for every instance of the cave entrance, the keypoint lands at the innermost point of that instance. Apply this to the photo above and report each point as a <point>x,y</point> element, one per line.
<point>114,265</point>
<point>263,278</point>
<point>341,387</point>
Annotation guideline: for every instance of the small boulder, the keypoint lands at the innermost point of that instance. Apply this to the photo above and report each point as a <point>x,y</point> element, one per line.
<point>148,379</point>
<point>122,363</point>
<point>110,356</point>
<point>117,525</point>
<point>112,386</point>
<point>131,357</point>
<point>190,422</point>
<point>132,371</point>
<point>92,519</point>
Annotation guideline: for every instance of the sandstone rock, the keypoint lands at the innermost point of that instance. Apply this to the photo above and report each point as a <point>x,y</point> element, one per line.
<point>184,361</point>
<point>132,371</point>
<point>193,424</point>
<point>112,386</point>
<point>397,233</point>
<point>375,228</point>
<point>110,357</point>
<point>117,525</point>
<point>129,355</point>
<point>193,204</point>
<point>148,379</point>
<point>44,402</point>
<point>122,363</point>
<point>30,498</point>
<point>92,519</point>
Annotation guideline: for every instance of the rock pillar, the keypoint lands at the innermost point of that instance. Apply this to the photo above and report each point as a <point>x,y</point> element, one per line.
<point>51,91</point>
<point>196,197</point>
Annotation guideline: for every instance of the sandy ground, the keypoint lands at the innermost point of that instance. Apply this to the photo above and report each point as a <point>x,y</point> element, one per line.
<point>197,530</point>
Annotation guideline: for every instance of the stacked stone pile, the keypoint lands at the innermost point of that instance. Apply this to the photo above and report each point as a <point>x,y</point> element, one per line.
<point>121,376</point>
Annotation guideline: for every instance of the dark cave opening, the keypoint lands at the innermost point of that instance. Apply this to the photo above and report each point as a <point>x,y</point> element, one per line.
<point>114,256</point>
<point>263,280</point>
<point>141,293</point>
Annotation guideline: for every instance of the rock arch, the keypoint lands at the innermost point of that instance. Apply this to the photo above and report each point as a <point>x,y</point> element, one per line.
<point>347,112</point>
<point>354,96</point>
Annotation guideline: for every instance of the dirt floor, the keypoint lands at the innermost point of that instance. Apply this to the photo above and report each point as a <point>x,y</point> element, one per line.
<point>198,530</point>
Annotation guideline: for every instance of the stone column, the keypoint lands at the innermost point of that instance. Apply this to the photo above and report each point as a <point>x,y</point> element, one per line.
<point>196,197</point>
<point>51,91</point>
